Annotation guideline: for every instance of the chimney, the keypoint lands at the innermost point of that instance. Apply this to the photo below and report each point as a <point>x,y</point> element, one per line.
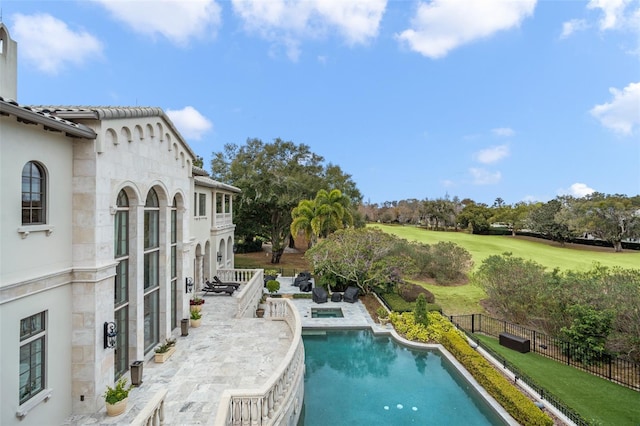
<point>8,65</point>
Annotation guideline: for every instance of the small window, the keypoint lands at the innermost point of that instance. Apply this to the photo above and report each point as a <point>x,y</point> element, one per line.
<point>202,205</point>
<point>32,356</point>
<point>33,194</point>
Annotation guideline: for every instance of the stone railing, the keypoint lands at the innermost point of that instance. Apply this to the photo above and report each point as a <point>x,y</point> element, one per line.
<point>251,291</point>
<point>279,401</point>
<point>152,414</point>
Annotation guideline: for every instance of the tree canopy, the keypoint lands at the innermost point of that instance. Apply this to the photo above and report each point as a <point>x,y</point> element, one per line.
<point>273,178</point>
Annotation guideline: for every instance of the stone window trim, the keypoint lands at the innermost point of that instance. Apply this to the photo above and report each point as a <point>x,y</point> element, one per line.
<point>41,397</point>
<point>24,231</point>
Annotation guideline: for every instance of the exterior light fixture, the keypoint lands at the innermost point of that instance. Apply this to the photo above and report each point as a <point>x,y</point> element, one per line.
<point>110,334</point>
<point>219,257</point>
<point>188,284</point>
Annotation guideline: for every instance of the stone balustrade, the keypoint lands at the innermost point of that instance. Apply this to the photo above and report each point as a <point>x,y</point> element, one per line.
<point>251,291</point>
<point>279,401</point>
<point>152,414</point>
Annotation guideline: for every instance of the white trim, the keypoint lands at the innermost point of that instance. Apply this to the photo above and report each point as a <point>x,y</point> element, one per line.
<point>24,409</point>
<point>26,230</point>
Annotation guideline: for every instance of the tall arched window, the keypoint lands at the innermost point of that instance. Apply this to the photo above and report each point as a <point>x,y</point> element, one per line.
<point>174,264</point>
<point>151,270</point>
<point>33,194</point>
<point>121,290</point>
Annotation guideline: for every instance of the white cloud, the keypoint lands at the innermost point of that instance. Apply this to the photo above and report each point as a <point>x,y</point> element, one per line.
<point>50,45</point>
<point>577,190</point>
<point>503,131</point>
<point>190,122</point>
<point>573,26</point>
<point>616,14</point>
<point>484,177</point>
<point>622,114</point>
<point>178,21</point>
<point>288,22</point>
<point>492,154</point>
<point>442,25</point>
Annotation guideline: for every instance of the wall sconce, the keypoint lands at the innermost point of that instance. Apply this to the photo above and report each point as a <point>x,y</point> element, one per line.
<point>219,257</point>
<point>188,284</point>
<point>110,334</point>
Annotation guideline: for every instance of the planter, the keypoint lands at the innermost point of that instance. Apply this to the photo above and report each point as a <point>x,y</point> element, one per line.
<point>260,312</point>
<point>195,323</point>
<point>117,408</point>
<point>196,308</point>
<point>162,357</point>
<point>383,321</point>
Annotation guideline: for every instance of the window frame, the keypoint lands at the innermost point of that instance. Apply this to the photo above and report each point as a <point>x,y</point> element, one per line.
<point>31,340</point>
<point>31,194</point>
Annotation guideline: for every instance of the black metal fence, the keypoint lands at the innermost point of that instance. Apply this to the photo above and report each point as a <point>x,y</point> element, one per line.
<point>617,370</point>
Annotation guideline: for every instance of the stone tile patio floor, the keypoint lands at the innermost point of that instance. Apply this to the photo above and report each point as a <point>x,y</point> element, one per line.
<point>223,353</point>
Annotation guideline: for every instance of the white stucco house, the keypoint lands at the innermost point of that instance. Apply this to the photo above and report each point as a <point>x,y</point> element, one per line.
<point>103,220</point>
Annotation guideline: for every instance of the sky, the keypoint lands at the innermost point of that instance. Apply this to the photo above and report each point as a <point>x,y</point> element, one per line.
<point>522,100</point>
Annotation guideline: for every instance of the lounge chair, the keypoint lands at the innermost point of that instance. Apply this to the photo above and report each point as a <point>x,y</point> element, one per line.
<point>217,282</point>
<point>213,288</point>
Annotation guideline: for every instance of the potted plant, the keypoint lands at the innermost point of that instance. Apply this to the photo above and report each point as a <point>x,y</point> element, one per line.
<point>196,318</point>
<point>273,286</point>
<point>383,315</point>
<point>196,303</point>
<point>116,397</point>
<point>164,351</point>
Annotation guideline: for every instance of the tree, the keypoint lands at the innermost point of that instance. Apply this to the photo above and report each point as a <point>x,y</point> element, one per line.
<point>475,216</point>
<point>273,178</point>
<point>611,218</point>
<point>365,257</point>
<point>546,219</point>
<point>420,311</point>
<point>515,218</point>
<point>319,217</point>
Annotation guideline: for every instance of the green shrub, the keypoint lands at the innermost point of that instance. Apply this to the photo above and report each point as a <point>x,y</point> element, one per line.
<point>420,311</point>
<point>117,393</point>
<point>521,408</point>
<point>273,286</point>
<point>302,296</point>
<point>410,292</point>
<point>398,304</point>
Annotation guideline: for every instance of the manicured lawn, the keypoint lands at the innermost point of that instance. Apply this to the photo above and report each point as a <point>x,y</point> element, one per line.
<point>457,300</point>
<point>592,397</point>
<point>548,254</point>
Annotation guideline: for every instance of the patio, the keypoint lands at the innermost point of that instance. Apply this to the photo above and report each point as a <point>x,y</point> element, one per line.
<point>223,353</point>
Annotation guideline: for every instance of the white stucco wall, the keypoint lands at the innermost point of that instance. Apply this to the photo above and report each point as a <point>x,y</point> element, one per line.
<point>39,253</point>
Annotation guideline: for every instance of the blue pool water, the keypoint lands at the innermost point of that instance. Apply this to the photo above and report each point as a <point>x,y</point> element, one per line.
<point>355,378</point>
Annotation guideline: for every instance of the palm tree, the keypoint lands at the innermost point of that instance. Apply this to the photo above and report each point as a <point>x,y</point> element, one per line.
<point>321,216</point>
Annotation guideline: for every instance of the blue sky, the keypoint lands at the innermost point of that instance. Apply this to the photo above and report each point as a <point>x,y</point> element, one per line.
<point>523,100</point>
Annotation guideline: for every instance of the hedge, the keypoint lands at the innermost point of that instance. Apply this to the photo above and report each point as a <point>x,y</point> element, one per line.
<point>521,408</point>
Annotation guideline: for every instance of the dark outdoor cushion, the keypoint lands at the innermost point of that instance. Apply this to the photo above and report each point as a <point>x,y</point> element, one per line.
<point>269,278</point>
<point>351,294</point>
<point>302,276</point>
<point>336,297</point>
<point>319,295</point>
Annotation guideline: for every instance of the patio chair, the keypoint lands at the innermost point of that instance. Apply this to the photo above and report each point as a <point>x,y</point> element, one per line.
<point>320,295</point>
<point>213,288</point>
<point>351,294</point>
<point>216,281</point>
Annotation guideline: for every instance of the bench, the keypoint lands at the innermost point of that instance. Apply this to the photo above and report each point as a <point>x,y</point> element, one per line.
<point>514,342</point>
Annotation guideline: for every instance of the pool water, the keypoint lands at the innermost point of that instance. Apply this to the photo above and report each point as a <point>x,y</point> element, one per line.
<point>326,313</point>
<point>355,378</point>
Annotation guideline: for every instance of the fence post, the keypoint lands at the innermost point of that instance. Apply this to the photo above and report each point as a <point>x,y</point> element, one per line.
<point>534,340</point>
<point>473,322</point>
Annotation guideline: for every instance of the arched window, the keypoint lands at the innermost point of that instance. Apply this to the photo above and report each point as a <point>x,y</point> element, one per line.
<point>34,187</point>
<point>151,270</point>
<point>121,291</point>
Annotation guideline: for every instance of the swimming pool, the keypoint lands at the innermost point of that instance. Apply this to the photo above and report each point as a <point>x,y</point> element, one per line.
<point>355,378</point>
<point>326,313</point>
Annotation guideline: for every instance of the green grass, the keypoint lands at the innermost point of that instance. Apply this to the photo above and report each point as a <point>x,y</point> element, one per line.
<point>549,255</point>
<point>594,398</point>
<point>457,300</point>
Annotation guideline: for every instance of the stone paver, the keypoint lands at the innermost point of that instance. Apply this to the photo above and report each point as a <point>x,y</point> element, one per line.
<point>224,353</point>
